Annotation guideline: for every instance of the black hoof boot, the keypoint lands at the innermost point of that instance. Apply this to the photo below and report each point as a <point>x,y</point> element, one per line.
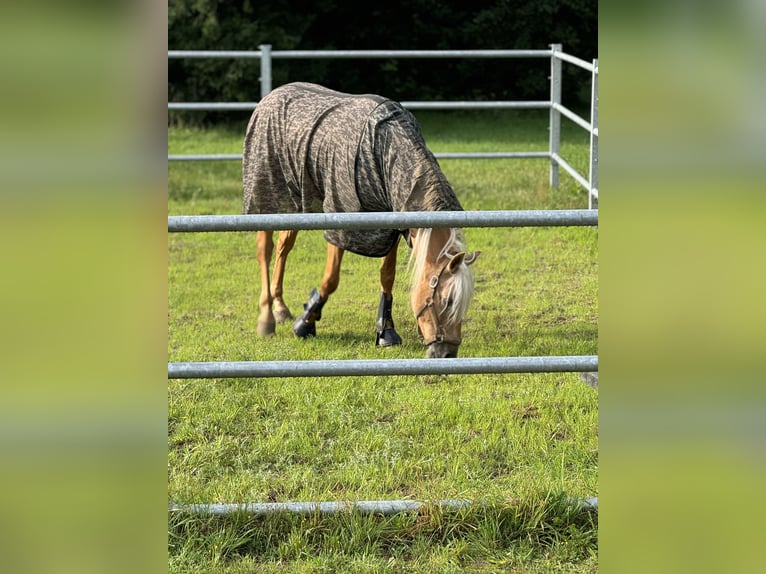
<point>305,325</point>
<point>386,334</point>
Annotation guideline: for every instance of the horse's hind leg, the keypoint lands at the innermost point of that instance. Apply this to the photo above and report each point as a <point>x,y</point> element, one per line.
<point>384,325</point>
<point>265,247</point>
<point>284,246</point>
<point>305,325</point>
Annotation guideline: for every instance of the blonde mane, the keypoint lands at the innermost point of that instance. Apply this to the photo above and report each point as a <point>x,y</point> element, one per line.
<point>459,285</point>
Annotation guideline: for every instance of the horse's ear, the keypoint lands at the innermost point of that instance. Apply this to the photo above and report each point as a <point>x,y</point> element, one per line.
<point>455,262</point>
<point>470,258</point>
<point>461,257</point>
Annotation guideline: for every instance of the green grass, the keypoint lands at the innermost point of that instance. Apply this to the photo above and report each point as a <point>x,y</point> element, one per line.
<point>521,445</point>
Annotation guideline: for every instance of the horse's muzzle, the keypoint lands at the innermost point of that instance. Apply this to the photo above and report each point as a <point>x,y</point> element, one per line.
<point>441,350</point>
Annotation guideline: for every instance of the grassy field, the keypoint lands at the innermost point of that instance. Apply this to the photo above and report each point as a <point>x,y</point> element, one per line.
<point>521,446</point>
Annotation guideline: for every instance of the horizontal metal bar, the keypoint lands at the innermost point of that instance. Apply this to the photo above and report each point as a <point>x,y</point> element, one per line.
<point>444,155</point>
<point>282,54</point>
<point>575,60</point>
<point>570,170</point>
<point>214,54</point>
<point>287,54</point>
<point>477,105</point>
<point>455,105</point>
<point>212,105</point>
<point>207,157</point>
<point>382,220</point>
<point>385,507</point>
<point>574,117</point>
<point>493,155</point>
<point>382,367</point>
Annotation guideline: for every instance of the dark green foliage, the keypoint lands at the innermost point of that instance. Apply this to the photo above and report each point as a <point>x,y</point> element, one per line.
<point>394,25</point>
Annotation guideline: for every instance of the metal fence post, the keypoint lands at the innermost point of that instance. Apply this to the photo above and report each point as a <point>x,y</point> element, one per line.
<point>555,115</point>
<point>265,69</point>
<point>593,176</point>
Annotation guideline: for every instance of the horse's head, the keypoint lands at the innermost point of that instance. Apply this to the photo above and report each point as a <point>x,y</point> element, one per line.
<point>442,287</point>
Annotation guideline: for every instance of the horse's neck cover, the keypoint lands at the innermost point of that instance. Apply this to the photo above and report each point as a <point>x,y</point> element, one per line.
<point>309,148</point>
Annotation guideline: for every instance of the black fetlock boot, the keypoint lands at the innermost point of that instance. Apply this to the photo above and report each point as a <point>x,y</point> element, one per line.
<point>386,334</point>
<point>305,325</point>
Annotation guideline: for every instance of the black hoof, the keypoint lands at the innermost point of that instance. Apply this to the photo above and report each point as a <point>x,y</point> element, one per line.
<point>305,325</point>
<point>388,338</point>
<point>303,329</point>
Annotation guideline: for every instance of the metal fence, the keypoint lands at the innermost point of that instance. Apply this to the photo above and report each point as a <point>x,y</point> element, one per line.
<point>231,223</point>
<point>382,367</point>
<point>265,55</point>
<point>378,507</point>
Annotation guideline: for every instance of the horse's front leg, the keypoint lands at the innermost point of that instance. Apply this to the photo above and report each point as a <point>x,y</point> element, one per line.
<point>265,247</point>
<point>285,244</point>
<point>384,325</point>
<point>305,325</point>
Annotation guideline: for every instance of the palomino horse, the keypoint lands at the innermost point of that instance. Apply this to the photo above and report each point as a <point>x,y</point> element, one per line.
<point>308,148</point>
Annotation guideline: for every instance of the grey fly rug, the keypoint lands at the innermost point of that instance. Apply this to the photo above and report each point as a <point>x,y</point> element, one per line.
<point>312,149</point>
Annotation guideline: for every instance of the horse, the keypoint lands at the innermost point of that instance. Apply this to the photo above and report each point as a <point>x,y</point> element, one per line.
<point>308,148</point>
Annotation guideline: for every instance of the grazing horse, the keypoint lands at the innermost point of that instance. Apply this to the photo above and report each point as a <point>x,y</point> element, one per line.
<point>310,149</point>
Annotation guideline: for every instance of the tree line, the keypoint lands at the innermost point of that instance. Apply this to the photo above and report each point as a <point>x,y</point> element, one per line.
<point>393,25</point>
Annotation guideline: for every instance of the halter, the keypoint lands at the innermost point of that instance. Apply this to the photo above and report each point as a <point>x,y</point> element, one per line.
<point>429,305</point>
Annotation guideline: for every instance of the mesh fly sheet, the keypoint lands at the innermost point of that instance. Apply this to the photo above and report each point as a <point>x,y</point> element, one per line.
<point>312,149</point>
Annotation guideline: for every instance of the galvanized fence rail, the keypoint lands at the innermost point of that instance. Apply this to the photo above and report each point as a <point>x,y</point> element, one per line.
<point>382,367</point>
<point>382,220</point>
<point>265,56</point>
<point>379,507</point>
